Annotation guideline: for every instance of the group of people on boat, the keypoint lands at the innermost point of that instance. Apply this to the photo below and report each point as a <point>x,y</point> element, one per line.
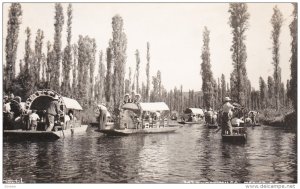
<point>211,117</point>
<point>12,111</point>
<point>16,116</point>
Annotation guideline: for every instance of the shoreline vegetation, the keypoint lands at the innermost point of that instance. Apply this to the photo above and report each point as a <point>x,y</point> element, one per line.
<point>284,118</point>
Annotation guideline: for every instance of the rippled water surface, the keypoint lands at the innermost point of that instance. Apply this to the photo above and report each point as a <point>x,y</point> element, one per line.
<point>192,153</point>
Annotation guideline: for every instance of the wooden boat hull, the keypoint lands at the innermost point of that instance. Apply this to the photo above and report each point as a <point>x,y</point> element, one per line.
<point>236,138</point>
<point>42,135</point>
<point>125,132</point>
<point>188,122</point>
<point>96,124</point>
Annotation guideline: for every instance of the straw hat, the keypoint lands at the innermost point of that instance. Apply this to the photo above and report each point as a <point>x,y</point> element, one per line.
<point>227,99</point>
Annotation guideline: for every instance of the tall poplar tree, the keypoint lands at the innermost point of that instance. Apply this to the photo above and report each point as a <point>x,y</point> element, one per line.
<point>294,58</point>
<point>38,55</point>
<point>148,73</point>
<point>67,59</point>
<point>276,21</point>
<point>207,77</point>
<point>119,44</point>
<point>108,83</point>
<point>58,26</point>
<point>11,45</point>
<point>137,71</point>
<point>238,21</point>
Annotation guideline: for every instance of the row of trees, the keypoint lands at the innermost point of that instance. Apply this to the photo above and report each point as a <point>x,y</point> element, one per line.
<point>272,94</point>
<point>72,70</point>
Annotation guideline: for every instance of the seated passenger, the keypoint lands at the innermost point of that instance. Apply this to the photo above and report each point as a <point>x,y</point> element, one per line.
<point>137,98</point>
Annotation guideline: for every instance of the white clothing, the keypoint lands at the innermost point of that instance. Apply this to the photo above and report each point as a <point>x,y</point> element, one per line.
<point>6,107</point>
<point>236,121</point>
<point>227,107</point>
<point>34,117</point>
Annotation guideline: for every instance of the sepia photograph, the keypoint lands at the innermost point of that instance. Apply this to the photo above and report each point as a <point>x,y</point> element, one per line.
<point>150,93</point>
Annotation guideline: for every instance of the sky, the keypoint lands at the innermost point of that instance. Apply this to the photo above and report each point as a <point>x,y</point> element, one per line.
<point>175,34</point>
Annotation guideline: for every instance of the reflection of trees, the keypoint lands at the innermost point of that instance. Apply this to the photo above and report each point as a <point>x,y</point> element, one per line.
<point>48,162</point>
<point>118,159</point>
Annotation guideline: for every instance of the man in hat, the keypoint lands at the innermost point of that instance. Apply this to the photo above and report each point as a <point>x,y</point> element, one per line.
<point>52,112</point>
<point>102,115</point>
<point>227,111</point>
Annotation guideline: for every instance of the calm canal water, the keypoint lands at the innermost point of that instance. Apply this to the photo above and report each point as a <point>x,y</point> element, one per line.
<point>191,154</point>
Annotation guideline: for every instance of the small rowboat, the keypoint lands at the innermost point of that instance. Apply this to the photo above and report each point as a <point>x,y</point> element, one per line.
<point>125,132</point>
<point>42,135</point>
<point>239,135</point>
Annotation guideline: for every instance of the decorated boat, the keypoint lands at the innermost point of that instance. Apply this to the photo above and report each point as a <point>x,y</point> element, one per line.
<point>239,135</point>
<point>192,116</point>
<point>67,123</point>
<point>142,118</point>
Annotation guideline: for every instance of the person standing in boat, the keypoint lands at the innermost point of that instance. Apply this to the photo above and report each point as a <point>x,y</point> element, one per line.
<point>226,116</point>
<point>102,116</point>
<point>52,112</point>
<point>33,120</point>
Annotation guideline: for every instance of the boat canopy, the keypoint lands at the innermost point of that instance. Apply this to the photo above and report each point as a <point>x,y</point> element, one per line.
<point>154,106</point>
<point>41,98</point>
<point>71,103</point>
<point>194,111</point>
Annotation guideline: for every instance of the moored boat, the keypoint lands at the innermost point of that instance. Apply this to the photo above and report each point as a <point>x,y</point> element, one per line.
<point>142,118</point>
<point>67,123</point>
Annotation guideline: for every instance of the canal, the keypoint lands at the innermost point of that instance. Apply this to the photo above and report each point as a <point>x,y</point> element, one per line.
<point>191,154</point>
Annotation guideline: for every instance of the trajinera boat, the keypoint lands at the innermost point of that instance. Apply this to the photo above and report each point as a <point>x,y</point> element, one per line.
<point>239,135</point>
<point>141,118</point>
<point>66,124</point>
<point>192,116</point>
<point>109,119</point>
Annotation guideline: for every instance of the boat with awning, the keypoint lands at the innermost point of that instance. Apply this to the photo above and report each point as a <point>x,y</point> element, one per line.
<point>192,116</point>
<point>67,123</point>
<point>142,118</point>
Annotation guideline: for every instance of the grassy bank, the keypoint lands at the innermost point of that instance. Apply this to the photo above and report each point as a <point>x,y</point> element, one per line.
<point>282,118</point>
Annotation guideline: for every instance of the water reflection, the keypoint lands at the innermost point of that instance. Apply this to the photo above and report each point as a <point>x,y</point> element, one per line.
<point>193,153</point>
